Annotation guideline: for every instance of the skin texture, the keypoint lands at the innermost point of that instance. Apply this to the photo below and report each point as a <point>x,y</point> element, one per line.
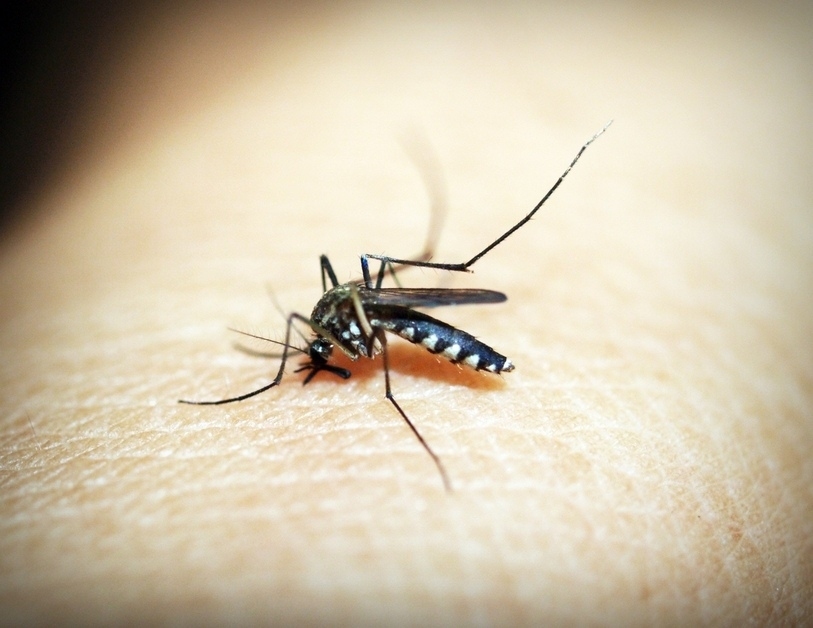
<point>648,461</point>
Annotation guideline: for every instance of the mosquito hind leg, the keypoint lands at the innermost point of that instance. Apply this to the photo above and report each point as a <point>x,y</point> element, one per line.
<point>464,267</point>
<point>385,269</point>
<point>427,164</point>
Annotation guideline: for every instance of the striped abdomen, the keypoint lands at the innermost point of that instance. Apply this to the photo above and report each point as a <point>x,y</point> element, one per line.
<point>439,338</point>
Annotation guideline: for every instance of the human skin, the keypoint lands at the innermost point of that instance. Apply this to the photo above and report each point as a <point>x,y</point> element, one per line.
<point>648,461</point>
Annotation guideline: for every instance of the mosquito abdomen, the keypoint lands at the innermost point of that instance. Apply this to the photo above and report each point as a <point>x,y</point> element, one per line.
<point>442,339</point>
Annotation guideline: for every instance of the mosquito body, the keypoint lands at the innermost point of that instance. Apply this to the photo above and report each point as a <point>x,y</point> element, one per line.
<point>355,317</point>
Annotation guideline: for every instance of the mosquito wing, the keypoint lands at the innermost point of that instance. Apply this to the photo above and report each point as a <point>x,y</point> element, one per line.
<point>430,297</point>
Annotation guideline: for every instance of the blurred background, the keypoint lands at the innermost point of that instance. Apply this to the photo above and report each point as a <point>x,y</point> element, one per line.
<point>94,74</point>
<point>52,56</point>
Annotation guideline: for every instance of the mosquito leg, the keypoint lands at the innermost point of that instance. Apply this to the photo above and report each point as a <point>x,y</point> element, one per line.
<point>282,313</point>
<point>277,379</point>
<point>327,269</point>
<point>383,341</point>
<point>464,266</point>
<point>427,163</point>
<point>542,202</point>
<point>392,272</point>
<point>385,269</point>
<point>365,273</point>
<point>428,166</point>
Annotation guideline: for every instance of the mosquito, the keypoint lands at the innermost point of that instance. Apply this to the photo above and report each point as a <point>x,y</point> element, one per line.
<point>356,317</point>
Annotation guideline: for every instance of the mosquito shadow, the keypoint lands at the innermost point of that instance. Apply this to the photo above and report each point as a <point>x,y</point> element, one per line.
<point>407,359</point>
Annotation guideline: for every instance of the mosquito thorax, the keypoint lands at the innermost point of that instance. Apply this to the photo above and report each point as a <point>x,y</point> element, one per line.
<point>336,314</point>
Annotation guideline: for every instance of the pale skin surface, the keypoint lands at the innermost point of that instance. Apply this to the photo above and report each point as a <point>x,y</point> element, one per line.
<point>647,461</point>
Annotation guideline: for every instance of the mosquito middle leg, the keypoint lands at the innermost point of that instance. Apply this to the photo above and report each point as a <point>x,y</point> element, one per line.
<point>388,392</point>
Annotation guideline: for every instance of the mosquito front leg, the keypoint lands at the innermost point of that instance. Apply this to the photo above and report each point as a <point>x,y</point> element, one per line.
<point>388,392</point>
<point>277,379</point>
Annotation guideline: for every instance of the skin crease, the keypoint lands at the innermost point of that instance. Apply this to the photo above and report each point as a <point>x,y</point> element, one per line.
<point>646,462</point>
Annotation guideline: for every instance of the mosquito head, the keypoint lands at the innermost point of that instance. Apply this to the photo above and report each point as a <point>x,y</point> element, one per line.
<point>319,351</point>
